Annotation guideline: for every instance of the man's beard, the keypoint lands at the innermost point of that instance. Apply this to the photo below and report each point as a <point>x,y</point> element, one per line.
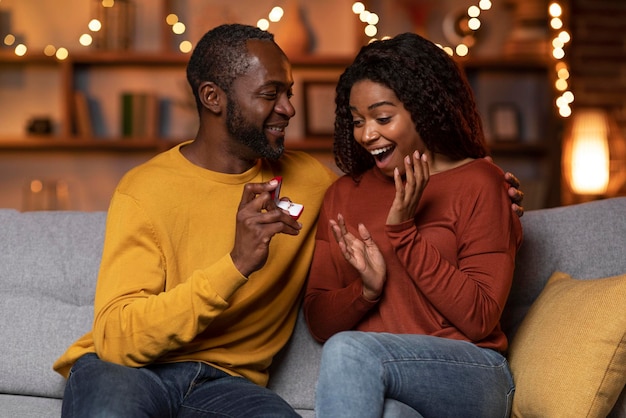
<point>249,135</point>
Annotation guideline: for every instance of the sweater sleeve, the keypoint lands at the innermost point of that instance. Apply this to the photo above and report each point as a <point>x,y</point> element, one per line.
<point>470,295</point>
<point>136,319</point>
<point>333,300</point>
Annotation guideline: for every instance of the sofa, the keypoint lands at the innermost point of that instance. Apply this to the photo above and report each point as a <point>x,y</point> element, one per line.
<point>49,263</point>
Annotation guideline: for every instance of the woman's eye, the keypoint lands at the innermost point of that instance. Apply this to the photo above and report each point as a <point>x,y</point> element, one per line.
<point>384,120</point>
<point>357,123</point>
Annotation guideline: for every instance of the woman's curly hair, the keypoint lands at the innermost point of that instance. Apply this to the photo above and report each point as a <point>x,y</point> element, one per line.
<point>429,84</point>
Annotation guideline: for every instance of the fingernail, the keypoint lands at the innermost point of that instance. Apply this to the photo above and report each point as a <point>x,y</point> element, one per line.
<point>273,182</point>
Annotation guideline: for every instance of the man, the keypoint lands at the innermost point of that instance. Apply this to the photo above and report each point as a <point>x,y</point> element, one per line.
<point>201,274</point>
<point>200,284</point>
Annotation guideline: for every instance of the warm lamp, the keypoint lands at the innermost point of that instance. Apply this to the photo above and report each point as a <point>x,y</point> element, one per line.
<point>594,154</point>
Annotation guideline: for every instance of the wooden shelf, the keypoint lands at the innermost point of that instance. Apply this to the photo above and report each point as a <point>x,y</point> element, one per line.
<point>7,57</point>
<point>121,58</point>
<point>509,64</point>
<point>324,145</point>
<point>45,143</point>
<point>130,58</point>
<point>52,143</point>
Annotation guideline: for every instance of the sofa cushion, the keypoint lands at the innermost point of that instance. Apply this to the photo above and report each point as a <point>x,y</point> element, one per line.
<point>585,240</point>
<point>294,371</point>
<point>568,357</point>
<point>18,406</point>
<point>48,267</point>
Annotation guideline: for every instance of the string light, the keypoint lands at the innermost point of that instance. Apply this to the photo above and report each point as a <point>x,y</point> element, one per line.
<point>61,53</point>
<point>49,50</point>
<point>185,46</point>
<point>9,39</point>
<point>559,42</point>
<point>179,28</point>
<point>277,13</point>
<point>20,50</point>
<point>370,19</point>
<point>474,24</point>
<point>274,16</point>
<point>471,24</point>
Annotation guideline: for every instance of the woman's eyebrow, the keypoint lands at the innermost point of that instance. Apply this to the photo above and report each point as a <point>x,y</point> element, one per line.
<point>375,105</point>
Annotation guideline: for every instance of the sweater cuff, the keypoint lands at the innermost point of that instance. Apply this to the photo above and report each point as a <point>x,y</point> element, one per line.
<point>224,277</point>
<point>403,226</point>
<point>361,302</point>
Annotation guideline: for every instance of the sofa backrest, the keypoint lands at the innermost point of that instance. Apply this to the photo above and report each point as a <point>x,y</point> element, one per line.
<point>49,263</point>
<point>586,241</point>
<point>48,267</point>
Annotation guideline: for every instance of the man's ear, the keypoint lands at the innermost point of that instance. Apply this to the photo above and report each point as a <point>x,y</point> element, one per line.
<point>211,96</point>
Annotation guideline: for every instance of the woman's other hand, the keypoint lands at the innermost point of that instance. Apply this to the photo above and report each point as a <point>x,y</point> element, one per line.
<point>364,255</point>
<point>408,194</point>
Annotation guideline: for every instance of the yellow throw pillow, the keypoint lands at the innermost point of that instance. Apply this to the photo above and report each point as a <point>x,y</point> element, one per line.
<point>568,357</point>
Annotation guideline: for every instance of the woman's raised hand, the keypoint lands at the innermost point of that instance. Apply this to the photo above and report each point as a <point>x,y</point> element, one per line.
<point>408,193</point>
<point>363,254</point>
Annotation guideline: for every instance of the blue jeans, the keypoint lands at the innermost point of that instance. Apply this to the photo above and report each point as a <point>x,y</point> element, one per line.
<point>437,377</point>
<point>96,388</point>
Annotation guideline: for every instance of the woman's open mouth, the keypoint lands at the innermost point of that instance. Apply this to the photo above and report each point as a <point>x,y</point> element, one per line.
<point>381,154</point>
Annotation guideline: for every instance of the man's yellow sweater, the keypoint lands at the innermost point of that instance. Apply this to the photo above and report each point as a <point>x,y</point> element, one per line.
<point>167,288</point>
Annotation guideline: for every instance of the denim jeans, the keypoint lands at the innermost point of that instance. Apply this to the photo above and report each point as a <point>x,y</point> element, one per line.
<point>437,377</point>
<point>96,388</point>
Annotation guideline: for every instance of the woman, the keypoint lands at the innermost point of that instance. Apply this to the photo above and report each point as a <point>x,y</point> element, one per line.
<point>408,282</point>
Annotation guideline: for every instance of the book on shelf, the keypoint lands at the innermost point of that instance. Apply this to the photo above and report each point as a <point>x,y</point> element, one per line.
<point>140,114</point>
<point>118,23</point>
<point>83,122</point>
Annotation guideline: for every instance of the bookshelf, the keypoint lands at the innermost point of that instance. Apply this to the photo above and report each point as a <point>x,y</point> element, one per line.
<point>103,77</point>
<point>521,87</point>
<point>534,157</point>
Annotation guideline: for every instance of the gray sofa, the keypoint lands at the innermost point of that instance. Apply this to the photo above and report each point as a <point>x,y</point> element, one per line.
<point>49,262</point>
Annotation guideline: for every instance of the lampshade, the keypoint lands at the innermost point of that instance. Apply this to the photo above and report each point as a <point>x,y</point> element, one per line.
<point>594,154</point>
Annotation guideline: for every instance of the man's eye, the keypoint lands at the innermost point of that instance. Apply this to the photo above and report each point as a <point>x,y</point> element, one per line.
<point>270,95</point>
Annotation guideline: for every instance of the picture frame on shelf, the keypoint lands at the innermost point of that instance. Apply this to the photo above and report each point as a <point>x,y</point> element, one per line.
<point>504,121</point>
<point>319,108</point>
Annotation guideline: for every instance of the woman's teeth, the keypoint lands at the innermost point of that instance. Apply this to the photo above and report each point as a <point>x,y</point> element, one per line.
<point>380,153</point>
